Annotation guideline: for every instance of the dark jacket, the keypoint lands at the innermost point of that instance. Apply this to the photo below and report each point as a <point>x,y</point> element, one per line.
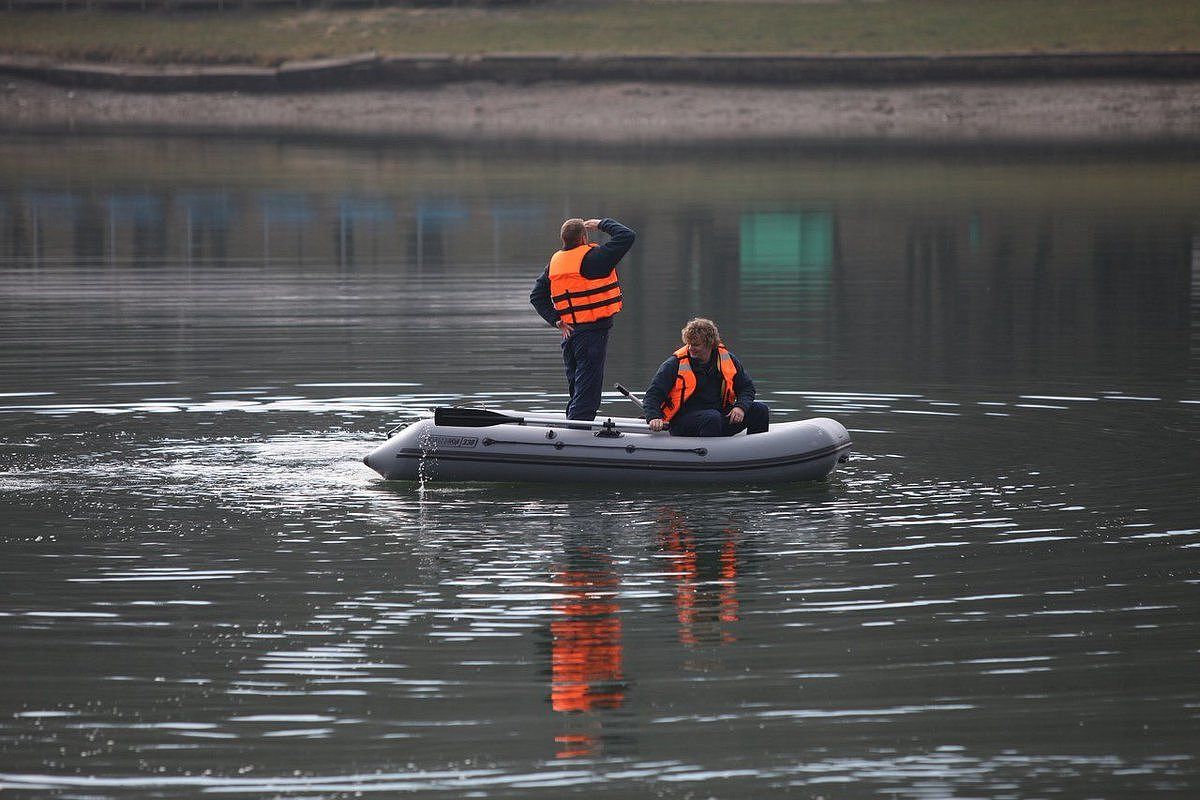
<point>598,263</point>
<point>708,387</point>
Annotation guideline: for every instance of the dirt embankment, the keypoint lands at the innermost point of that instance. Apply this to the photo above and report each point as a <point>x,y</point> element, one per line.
<point>1045,110</point>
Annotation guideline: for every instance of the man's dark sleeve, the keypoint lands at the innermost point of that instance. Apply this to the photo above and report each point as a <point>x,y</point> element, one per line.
<point>743,387</point>
<point>659,388</point>
<point>539,298</point>
<point>603,259</point>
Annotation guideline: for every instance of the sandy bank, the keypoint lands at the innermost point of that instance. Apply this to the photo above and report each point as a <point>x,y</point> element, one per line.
<point>1092,111</point>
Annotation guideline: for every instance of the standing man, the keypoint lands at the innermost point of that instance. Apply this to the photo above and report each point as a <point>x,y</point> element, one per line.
<point>579,294</point>
<point>702,389</point>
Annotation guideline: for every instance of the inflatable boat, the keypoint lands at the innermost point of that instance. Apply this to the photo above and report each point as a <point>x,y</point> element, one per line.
<point>474,444</point>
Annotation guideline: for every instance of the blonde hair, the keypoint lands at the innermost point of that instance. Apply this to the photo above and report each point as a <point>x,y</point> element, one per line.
<point>701,331</point>
<point>573,233</point>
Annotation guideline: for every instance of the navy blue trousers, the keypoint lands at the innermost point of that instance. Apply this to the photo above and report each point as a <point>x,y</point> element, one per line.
<point>584,353</point>
<point>711,422</point>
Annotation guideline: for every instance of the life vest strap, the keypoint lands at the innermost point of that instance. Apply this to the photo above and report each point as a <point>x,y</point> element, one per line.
<point>608,287</point>
<point>589,306</point>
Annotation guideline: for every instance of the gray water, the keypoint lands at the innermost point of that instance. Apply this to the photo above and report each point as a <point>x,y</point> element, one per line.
<point>206,593</point>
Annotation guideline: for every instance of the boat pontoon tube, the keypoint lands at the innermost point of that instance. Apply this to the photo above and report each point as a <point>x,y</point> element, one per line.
<point>610,450</point>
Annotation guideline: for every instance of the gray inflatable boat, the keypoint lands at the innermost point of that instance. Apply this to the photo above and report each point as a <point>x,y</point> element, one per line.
<point>472,444</point>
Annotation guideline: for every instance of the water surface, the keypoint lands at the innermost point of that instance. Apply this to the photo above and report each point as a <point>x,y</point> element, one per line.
<point>206,592</point>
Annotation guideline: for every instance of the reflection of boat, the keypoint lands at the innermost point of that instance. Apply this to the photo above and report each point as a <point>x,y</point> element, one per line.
<point>465,444</point>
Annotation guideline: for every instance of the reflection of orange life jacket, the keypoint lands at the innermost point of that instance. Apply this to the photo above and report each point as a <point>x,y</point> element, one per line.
<point>685,382</point>
<point>586,649</point>
<point>576,298</point>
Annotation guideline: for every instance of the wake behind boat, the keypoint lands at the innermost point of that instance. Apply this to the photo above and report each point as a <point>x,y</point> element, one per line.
<point>472,444</point>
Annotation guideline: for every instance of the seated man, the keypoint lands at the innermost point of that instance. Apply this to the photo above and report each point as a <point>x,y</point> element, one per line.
<point>703,390</point>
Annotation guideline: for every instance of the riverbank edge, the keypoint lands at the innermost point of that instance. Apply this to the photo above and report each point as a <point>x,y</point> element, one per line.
<point>371,70</point>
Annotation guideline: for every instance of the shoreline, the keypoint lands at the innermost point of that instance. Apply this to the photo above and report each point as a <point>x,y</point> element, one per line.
<point>1067,112</point>
<point>370,70</point>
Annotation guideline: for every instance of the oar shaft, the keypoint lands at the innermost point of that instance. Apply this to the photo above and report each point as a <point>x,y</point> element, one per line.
<point>633,398</point>
<point>562,422</point>
<point>482,418</point>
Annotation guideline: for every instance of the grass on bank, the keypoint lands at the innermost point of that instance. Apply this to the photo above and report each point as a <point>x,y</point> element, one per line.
<point>1115,184</point>
<point>620,26</point>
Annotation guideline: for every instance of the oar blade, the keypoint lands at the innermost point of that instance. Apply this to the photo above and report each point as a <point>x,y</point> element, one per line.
<point>462,417</point>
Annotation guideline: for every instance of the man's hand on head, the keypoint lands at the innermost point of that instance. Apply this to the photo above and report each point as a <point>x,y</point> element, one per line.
<point>591,224</point>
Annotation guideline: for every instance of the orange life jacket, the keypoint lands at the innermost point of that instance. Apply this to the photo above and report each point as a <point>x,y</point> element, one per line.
<point>579,299</point>
<point>685,382</point>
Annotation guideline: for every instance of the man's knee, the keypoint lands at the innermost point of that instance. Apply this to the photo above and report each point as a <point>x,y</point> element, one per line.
<point>697,423</point>
<point>758,418</point>
<point>713,422</point>
<point>708,423</point>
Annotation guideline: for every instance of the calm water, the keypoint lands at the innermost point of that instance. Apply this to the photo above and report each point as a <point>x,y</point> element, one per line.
<point>205,591</point>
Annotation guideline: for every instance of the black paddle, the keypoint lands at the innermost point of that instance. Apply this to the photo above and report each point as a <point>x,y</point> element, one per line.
<point>462,417</point>
<point>473,417</point>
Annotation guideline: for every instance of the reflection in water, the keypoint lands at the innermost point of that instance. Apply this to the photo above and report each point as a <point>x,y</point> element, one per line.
<point>208,216</point>
<point>786,243</point>
<point>207,593</point>
<point>585,646</point>
<point>705,579</point>
<point>834,279</point>
<point>586,638</point>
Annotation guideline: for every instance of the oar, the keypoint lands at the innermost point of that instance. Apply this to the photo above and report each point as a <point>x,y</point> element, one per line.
<point>633,398</point>
<point>461,417</point>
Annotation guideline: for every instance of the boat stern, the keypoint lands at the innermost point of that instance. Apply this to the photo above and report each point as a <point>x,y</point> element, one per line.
<point>838,437</point>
